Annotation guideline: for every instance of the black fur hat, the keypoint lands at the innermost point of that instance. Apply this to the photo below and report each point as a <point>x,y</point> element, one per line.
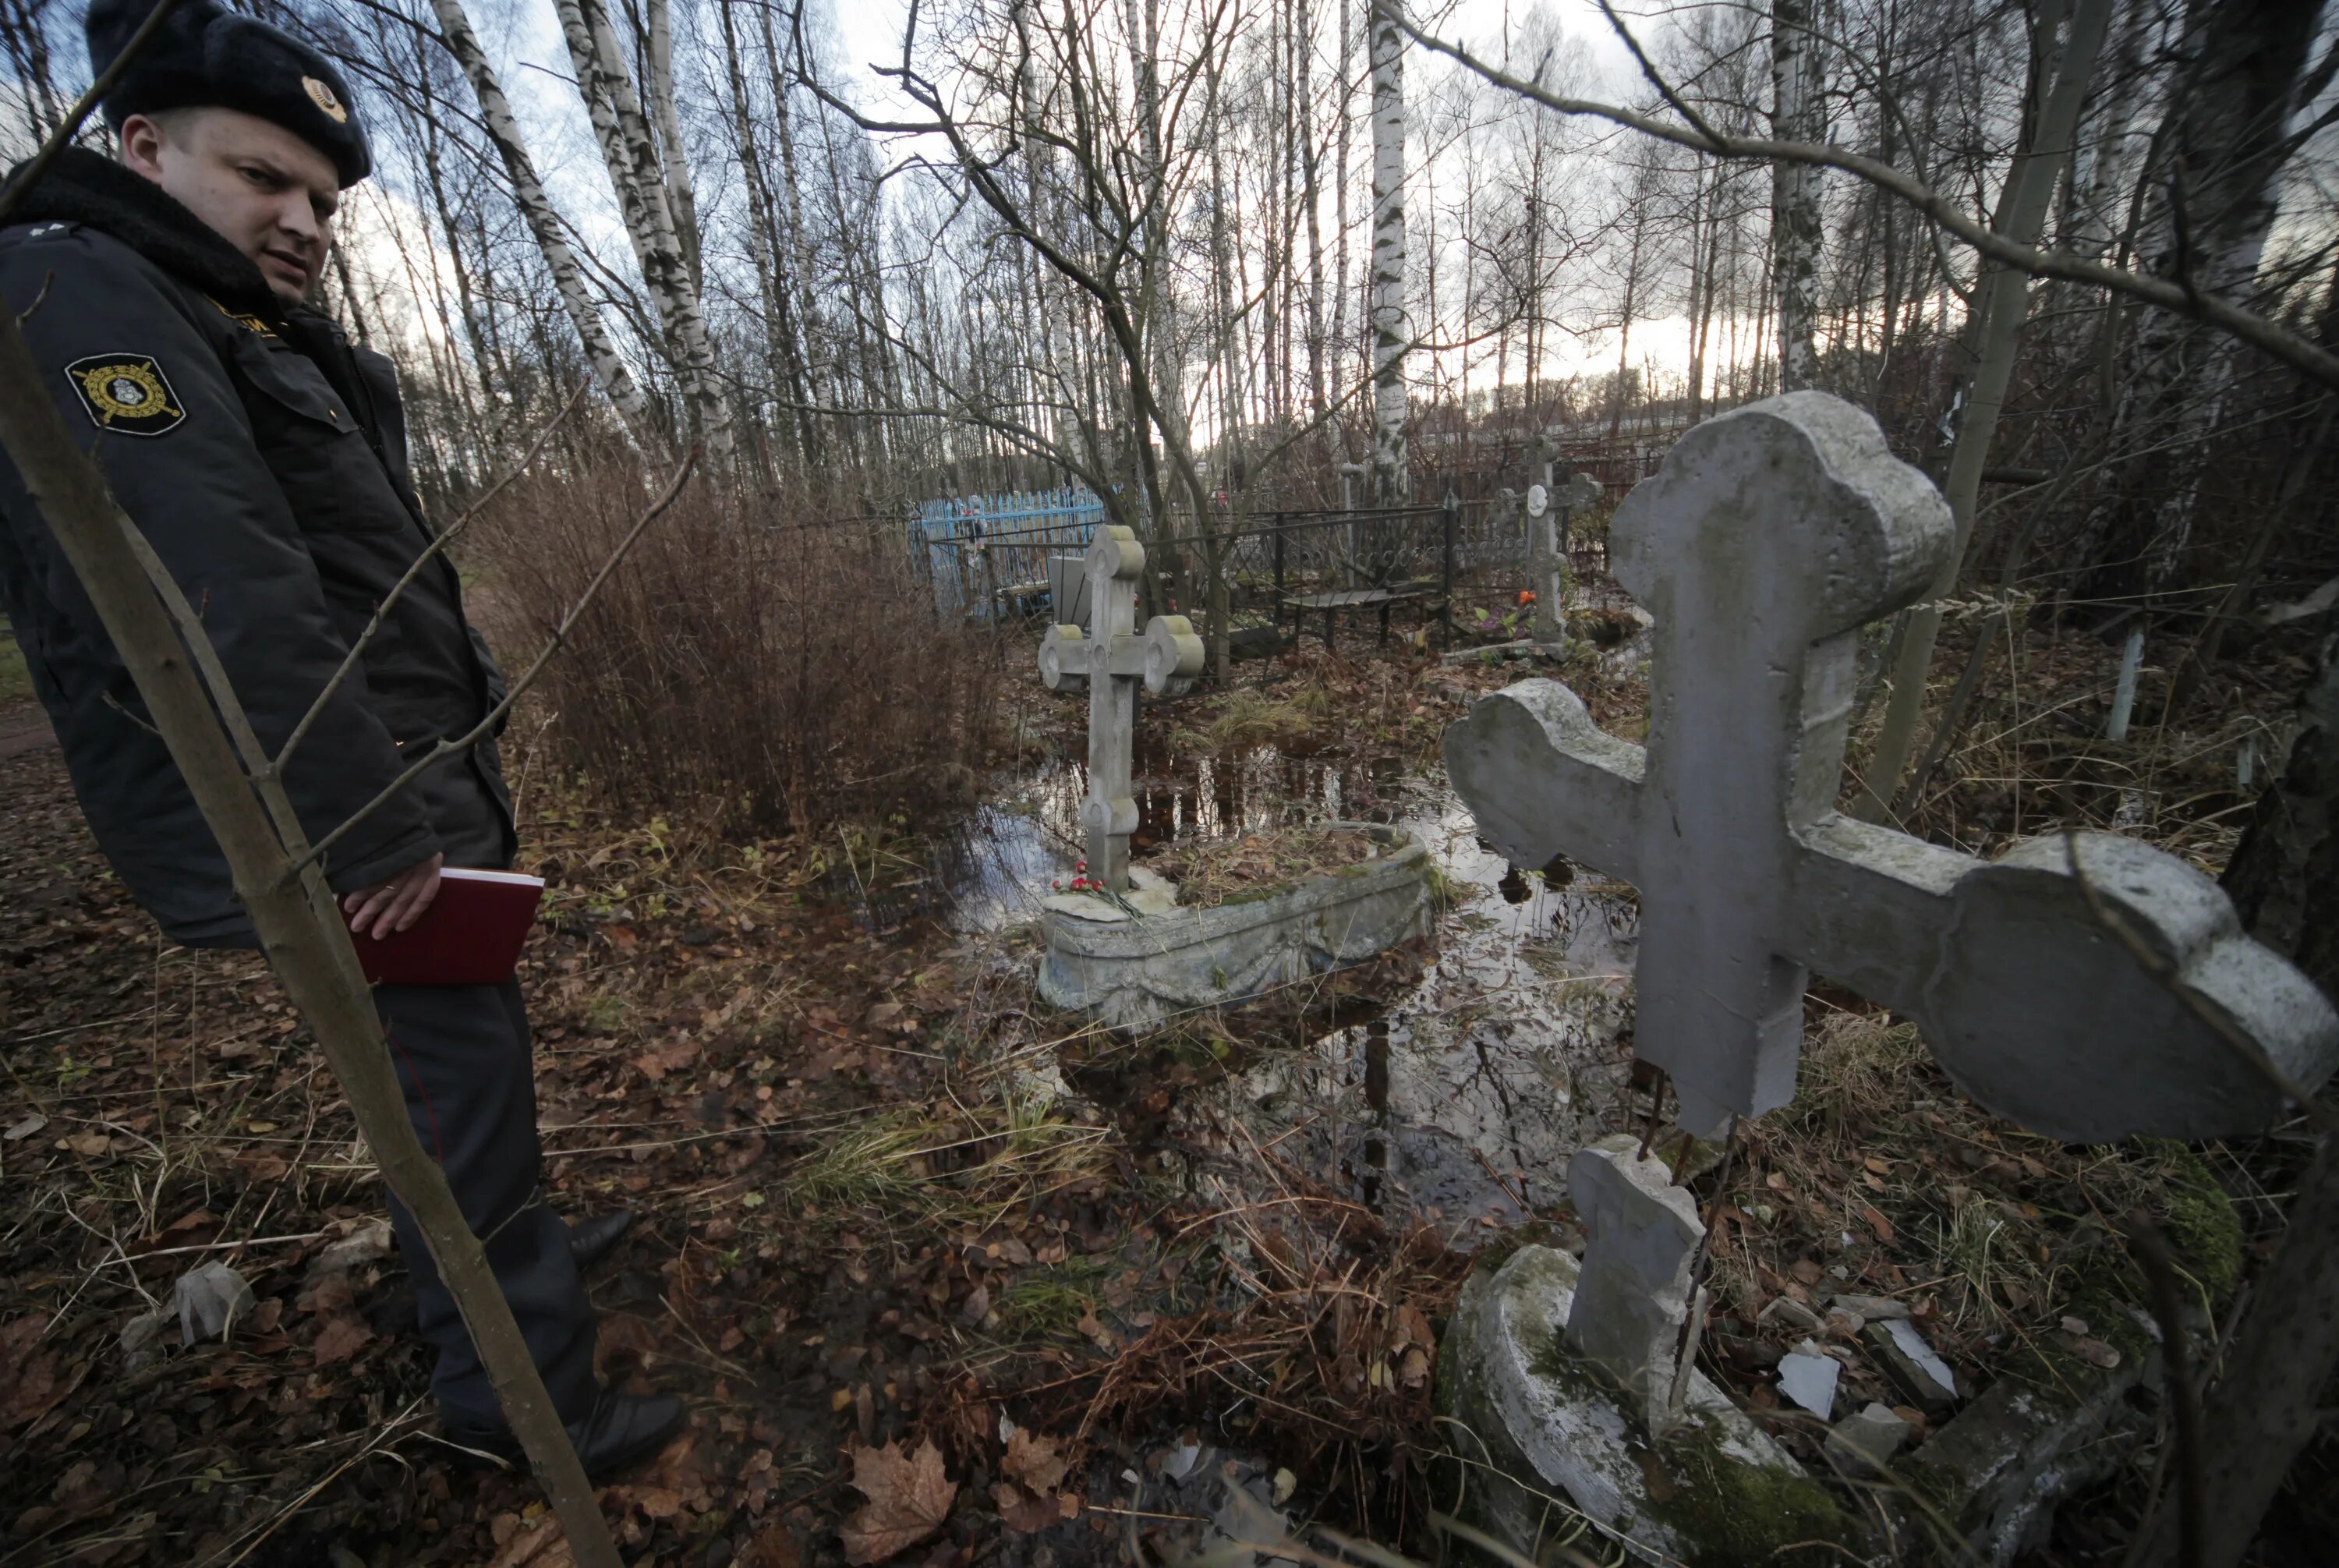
<point>206,56</point>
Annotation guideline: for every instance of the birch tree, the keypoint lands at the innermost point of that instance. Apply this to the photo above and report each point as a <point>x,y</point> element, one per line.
<point>609,369</point>
<point>1391,329</point>
<point>638,175</point>
<point>1797,77</point>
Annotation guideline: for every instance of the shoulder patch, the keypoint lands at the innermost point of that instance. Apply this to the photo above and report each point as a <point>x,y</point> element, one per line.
<point>126,392</point>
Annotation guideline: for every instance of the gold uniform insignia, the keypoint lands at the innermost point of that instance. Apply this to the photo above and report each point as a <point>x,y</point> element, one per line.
<point>126,393</point>
<point>322,98</point>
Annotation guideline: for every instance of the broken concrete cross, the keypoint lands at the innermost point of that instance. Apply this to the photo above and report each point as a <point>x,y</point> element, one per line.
<point>1769,538</point>
<point>1111,659</point>
<point>1635,1293</point>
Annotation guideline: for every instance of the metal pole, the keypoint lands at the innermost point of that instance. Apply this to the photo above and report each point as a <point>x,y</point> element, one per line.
<point>1451,508</point>
<point>1279,520</point>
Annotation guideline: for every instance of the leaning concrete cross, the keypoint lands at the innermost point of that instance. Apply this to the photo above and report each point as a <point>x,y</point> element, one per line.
<point>1111,660</point>
<point>1769,538</point>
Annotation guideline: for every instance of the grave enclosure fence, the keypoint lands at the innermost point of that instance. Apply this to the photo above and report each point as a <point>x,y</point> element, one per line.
<point>1275,565</point>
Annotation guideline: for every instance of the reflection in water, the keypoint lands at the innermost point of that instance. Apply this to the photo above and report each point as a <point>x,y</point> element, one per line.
<point>1469,1093</point>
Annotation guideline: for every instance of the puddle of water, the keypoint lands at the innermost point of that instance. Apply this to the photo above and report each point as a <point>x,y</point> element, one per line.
<point>1468,1093</point>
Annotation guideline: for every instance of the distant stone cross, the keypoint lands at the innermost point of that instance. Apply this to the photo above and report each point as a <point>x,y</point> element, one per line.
<point>1769,538</point>
<point>1547,548</point>
<point>1111,659</point>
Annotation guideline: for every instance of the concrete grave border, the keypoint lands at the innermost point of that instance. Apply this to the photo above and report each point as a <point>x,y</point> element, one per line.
<point>1133,963</point>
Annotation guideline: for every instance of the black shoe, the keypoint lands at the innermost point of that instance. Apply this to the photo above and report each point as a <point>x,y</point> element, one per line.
<point>589,1240</point>
<point>621,1429</point>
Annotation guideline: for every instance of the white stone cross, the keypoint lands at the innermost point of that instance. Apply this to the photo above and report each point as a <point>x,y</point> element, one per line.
<point>1547,563</point>
<point>1111,660</point>
<point>1769,538</point>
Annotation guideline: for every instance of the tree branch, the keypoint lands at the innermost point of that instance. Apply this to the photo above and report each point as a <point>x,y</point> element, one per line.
<point>2179,298</point>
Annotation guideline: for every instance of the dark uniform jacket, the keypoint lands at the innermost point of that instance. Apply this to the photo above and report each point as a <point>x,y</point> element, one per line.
<point>265,460</point>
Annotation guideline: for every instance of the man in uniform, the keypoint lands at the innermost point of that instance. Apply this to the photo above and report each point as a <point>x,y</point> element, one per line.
<point>264,458</point>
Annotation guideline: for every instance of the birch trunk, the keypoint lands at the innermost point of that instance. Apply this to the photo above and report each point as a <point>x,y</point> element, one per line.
<point>609,368</point>
<point>2212,204</point>
<point>1390,331</point>
<point>681,193</point>
<point>1798,75</point>
<point>783,351</point>
<point>632,157</point>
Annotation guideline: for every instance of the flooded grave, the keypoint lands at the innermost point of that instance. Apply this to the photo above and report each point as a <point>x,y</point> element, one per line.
<point>1454,1085</point>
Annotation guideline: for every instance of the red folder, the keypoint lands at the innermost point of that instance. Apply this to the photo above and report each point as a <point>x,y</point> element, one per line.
<point>470,935</point>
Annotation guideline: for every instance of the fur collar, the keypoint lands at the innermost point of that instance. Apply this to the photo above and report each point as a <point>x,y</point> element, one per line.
<point>90,189</point>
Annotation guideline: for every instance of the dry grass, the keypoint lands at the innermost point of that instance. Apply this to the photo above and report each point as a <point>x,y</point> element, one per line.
<point>1213,872</point>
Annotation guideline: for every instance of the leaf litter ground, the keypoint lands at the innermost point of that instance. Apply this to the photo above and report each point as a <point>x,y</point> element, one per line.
<point>922,1307</point>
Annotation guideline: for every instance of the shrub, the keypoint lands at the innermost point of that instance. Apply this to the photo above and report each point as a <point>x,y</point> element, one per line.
<point>773,670</point>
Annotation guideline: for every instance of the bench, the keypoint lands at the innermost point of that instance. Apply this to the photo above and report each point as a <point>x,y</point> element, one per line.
<point>1334,601</point>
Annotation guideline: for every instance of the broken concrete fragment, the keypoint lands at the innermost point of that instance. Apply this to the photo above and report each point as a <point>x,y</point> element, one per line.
<point>1864,1444</point>
<point>1539,1423</point>
<point>1912,1365</point>
<point>1809,1381</point>
<point>1637,1289</point>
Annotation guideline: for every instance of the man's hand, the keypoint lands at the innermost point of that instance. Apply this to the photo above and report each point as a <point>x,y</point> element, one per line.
<point>396,904</point>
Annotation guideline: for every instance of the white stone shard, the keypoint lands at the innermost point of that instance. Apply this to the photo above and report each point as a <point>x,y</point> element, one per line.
<point>1809,1381</point>
<point>1769,538</point>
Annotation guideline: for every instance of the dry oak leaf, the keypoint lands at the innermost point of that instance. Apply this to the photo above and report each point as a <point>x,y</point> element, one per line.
<point>1033,1461</point>
<point>909,1498</point>
<point>340,1338</point>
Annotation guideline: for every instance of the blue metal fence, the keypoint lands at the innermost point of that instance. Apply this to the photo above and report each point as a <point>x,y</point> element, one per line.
<point>987,554</point>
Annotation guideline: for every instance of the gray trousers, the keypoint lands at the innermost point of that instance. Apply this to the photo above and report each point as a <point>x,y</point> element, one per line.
<point>462,1056</point>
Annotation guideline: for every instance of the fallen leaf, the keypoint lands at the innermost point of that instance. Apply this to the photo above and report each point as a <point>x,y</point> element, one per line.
<point>538,1546</point>
<point>1805,1270</point>
<point>2096,1353</point>
<point>27,1127</point>
<point>1878,1164</point>
<point>1877,1223</point>
<point>1022,1511</point>
<point>340,1338</point>
<point>29,1383</point>
<point>775,1548</point>
<point>1033,1461</point>
<point>1411,1327</point>
<point>89,1143</point>
<point>909,1498</point>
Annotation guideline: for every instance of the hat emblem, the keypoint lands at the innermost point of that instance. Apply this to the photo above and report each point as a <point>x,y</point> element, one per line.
<point>322,98</point>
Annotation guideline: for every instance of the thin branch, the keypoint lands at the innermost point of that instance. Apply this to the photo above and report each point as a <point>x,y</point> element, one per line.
<point>437,548</point>
<point>62,137</point>
<point>486,726</point>
<point>2180,298</point>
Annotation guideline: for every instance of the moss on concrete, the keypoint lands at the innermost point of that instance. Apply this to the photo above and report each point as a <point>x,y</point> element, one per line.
<point>2198,1216</point>
<point>1730,1515</point>
<point>1723,1511</point>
